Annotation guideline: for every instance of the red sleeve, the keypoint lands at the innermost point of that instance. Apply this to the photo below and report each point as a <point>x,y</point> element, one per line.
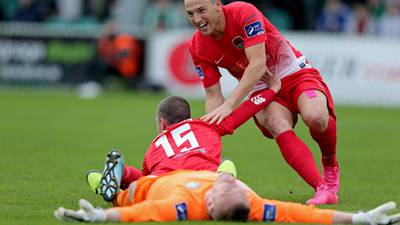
<point>244,112</point>
<point>207,72</point>
<point>145,168</point>
<point>251,21</point>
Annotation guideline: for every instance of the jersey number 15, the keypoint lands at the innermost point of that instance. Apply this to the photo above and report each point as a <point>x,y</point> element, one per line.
<point>179,140</point>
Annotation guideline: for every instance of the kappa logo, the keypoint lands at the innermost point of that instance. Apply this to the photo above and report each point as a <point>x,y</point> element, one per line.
<point>257,99</point>
<point>254,29</point>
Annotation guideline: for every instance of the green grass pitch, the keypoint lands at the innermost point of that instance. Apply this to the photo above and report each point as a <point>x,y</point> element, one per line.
<point>49,139</point>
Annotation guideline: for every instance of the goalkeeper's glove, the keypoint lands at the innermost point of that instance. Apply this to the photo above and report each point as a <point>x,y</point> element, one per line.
<point>86,213</point>
<point>377,216</point>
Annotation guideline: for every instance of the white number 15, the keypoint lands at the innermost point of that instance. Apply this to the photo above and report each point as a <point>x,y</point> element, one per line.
<point>178,139</point>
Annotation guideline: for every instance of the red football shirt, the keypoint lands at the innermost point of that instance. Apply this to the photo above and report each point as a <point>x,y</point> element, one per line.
<point>245,26</point>
<point>196,145</point>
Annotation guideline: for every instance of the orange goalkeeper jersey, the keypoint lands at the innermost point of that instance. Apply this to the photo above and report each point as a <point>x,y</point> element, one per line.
<point>180,195</point>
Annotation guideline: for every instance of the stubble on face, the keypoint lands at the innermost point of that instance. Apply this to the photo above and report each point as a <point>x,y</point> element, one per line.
<point>205,15</point>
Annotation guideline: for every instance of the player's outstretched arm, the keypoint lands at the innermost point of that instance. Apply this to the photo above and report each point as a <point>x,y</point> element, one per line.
<point>250,107</point>
<point>377,216</point>
<point>252,74</point>
<point>214,97</point>
<point>86,213</point>
<point>286,212</point>
<point>157,210</point>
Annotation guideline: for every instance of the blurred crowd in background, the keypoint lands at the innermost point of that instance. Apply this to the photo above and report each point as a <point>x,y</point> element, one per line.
<point>361,17</point>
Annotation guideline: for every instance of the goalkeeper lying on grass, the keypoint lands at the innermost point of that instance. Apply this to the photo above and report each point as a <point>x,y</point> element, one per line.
<point>205,195</point>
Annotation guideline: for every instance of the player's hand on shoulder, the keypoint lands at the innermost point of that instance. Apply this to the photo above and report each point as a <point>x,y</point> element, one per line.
<point>218,114</point>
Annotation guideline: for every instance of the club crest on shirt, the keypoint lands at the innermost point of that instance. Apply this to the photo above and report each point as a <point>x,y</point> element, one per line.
<point>254,29</point>
<point>238,42</point>
<point>200,72</point>
<point>181,211</point>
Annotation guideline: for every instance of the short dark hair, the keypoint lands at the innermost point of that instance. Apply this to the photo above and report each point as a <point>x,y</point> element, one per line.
<point>174,109</point>
<point>239,213</point>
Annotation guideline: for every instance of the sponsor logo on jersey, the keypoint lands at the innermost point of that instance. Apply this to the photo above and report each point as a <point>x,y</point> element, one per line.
<point>238,42</point>
<point>254,29</point>
<point>257,100</point>
<point>269,213</point>
<point>200,72</point>
<point>181,211</point>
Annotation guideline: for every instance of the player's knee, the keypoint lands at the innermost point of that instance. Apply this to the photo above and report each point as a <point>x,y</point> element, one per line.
<point>265,131</point>
<point>316,121</point>
<point>260,121</point>
<point>277,125</point>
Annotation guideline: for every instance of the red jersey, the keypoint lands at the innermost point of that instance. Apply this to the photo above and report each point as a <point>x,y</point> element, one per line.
<point>196,145</point>
<point>245,26</point>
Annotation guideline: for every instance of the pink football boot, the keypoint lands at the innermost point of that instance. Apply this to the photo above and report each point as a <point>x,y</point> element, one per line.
<point>331,177</point>
<point>323,196</point>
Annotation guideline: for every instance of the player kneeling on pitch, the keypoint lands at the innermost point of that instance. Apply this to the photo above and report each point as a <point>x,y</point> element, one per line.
<point>204,195</point>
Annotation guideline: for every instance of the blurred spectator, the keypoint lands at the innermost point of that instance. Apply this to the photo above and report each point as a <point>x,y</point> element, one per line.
<point>123,52</point>
<point>82,12</point>
<point>312,10</point>
<point>2,16</point>
<point>333,17</point>
<point>376,8</point>
<point>98,10</point>
<point>34,10</point>
<point>284,14</point>
<point>279,18</point>
<point>389,23</point>
<point>120,52</point>
<point>126,15</point>
<point>7,9</point>
<point>360,22</point>
<point>69,10</point>
<point>290,10</point>
<point>163,15</point>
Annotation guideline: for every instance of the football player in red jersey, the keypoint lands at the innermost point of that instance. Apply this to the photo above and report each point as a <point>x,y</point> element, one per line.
<point>182,143</point>
<point>239,38</point>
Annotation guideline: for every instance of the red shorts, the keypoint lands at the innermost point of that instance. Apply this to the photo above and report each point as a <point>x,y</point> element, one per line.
<point>292,87</point>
